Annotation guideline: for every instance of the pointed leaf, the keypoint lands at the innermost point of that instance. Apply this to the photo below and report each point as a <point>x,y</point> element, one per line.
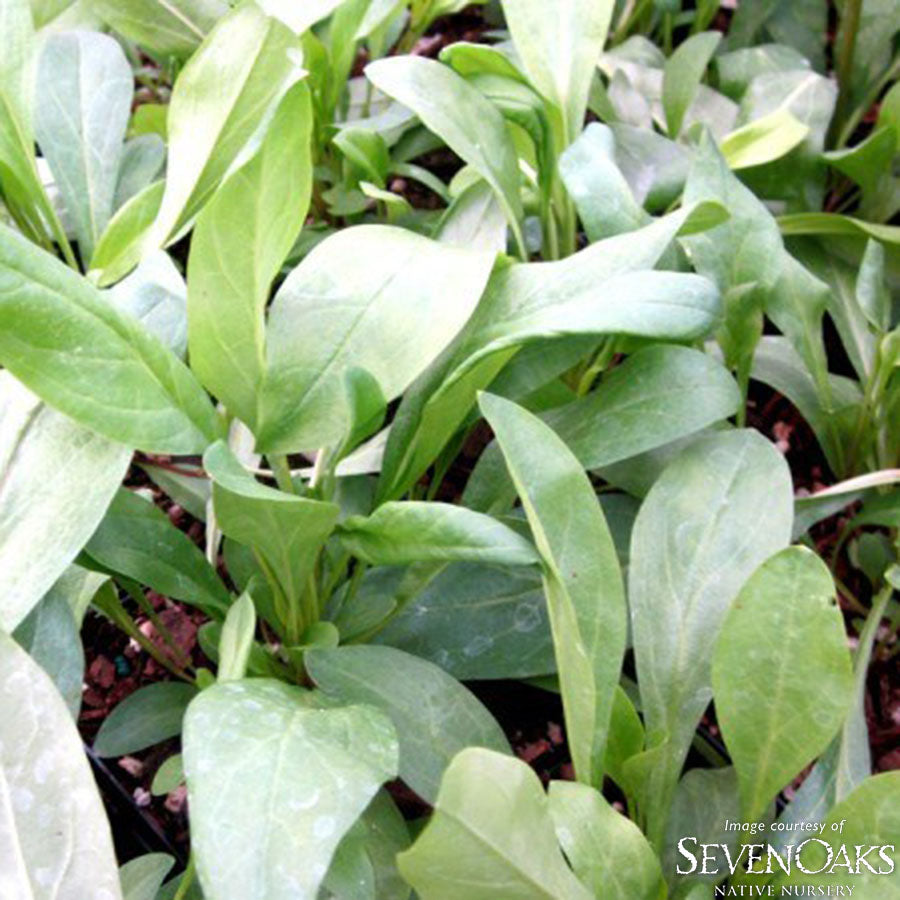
<point>162,27</point>
<point>401,533</point>
<point>222,99</point>
<point>607,850</point>
<point>239,244</point>
<point>80,116</point>
<point>287,531</point>
<point>386,314</point>
<point>457,113</point>
<point>274,782</point>
<point>699,535</point>
<point>435,716</point>
<point>583,581</point>
<point>95,364</point>
<point>560,52</point>
<point>469,850</point>
<point>136,539</point>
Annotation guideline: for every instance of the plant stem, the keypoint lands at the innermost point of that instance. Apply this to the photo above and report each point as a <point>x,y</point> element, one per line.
<point>846,53</point>
<point>282,472</point>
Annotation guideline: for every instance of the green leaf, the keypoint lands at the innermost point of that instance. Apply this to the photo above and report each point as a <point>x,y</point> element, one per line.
<point>191,493</point>
<point>777,364</point>
<point>299,16</point>
<point>286,531</point>
<point>51,637</point>
<point>435,716</point>
<point>477,622</point>
<point>80,115</point>
<point>469,124</point>
<point>221,103</point>
<point>156,295</point>
<point>474,219</point>
<point>387,314</point>
<point>704,801</point>
<point>682,75</point>
<point>237,639</point>
<point>559,52</point>
<point>136,539</point>
<point>700,533</point>
<point>162,27</point>
<point>143,876</point>
<point>602,196</point>
<point>96,365</point>
<point>531,302</point>
<point>122,244</point>
<point>239,244</point>
<point>20,183</point>
<point>838,225</point>
<point>607,850</point>
<point>870,816</point>
<point>659,394</point>
<point>150,715</point>
<point>52,826</point>
<point>168,776</point>
<point>143,160</point>
<point>56,481</point>
<point>274,782</point>
<point>872,293</point>
<point>582,579</point>
<point>469,848</point>
<point>412,531</point>
<point>747,248</point>
<point>763,140</point>
<point>374,842</point>
<point>785,624</point>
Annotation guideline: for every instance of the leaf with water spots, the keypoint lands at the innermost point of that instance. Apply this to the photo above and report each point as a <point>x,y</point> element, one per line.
<point>275,779</point>
<point>55,843</point>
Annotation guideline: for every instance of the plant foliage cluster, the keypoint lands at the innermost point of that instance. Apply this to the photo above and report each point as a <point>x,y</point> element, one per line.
<point>227,247</point>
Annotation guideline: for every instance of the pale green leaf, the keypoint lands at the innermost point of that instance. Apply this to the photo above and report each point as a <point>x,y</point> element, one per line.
<point>469,848</point>
<point>763,140</point>
<point>56,481</point>
<point>435,716</point>
<point>143,876</point>
<point>156,295</point>
<point>413,531</point>
<point>221,103</point>
<point>782,678</point>
<point>95,364</point>
<point>559,52</point>
<point>51,637</point>
<point>81,112</point>
<point>239,244</point>
<point>54,838</point>
<point>162,27</point>
<point>700,533</point>
<point>870,816</point>
<point>682,75</point>
<point>605,848</point>
<point>583,581</point>
<point>237,639</point>
<point>286,531</point>
<point>387,315</point>
<point>455,111</point>
<point>274,782</point>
